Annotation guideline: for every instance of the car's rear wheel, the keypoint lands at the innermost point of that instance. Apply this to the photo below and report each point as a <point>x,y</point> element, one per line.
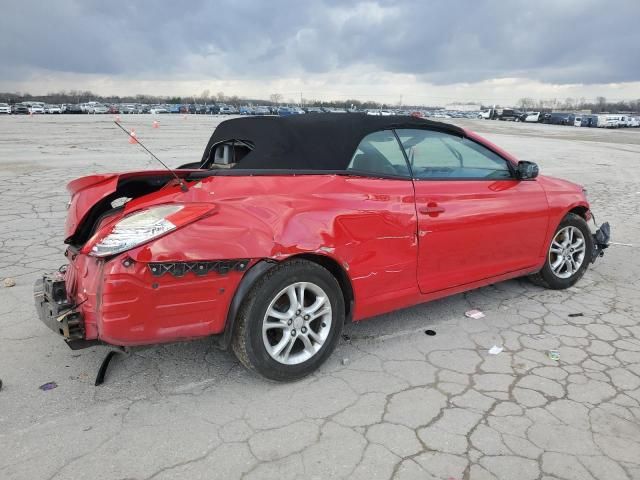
<point>290,321</point>
<point>568,256</point>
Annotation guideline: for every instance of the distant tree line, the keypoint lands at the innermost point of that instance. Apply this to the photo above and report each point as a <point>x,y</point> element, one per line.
<point>597,105</point>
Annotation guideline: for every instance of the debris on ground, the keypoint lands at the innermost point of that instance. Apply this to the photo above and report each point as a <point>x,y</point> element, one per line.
<point>431,333</point>
<point>346,338</point>
<point>475,314</point>
<point>579,314</point>
<point>345,361</point>
<point>102,371</point>
<point>553,355</point>
<point>0,384</point>
<point>495,350</point>
<point>9,282</point>
<point>48,386</point>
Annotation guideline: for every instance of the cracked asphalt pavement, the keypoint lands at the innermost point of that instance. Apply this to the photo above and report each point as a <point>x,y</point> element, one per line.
<point>391,402</point>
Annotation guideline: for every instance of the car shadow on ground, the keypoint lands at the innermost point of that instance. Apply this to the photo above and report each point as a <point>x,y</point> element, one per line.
<point>192,366</point>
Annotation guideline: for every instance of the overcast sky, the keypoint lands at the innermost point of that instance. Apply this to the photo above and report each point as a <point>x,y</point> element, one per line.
<point>420,51</point>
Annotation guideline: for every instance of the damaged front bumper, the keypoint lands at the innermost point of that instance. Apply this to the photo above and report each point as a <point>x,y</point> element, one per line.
<point>601,241</point>
<point>58,312</point>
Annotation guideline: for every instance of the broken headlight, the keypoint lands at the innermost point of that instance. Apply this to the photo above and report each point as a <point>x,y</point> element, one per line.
<point>145,225</point>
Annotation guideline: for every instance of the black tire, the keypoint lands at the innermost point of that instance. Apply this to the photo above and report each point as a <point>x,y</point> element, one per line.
<point>546,277</point>
<point>247,341</point>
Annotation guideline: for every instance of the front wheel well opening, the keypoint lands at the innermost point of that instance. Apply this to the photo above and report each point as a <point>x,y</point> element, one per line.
<point>340,275</point>
<point>581,211</point>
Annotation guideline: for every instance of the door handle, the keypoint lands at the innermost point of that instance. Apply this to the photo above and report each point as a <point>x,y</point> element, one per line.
<point>432,209</point>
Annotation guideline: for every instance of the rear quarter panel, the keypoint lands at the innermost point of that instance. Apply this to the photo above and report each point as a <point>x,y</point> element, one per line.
<point>366,225</point>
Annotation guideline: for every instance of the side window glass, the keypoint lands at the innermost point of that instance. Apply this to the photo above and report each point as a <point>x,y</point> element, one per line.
<point>435,154</point>
<point>379,153</point>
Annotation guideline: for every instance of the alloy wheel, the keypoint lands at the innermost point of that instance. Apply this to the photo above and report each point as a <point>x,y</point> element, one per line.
<point>297,323</point>
<point>567,252</point>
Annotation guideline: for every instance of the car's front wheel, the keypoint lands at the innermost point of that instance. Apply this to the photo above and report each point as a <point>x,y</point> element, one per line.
<point>290,321</point>
<point>568,256</point>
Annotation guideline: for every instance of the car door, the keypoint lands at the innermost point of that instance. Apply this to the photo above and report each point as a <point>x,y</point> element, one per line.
<point>475,219</point>
<point>378,226</point>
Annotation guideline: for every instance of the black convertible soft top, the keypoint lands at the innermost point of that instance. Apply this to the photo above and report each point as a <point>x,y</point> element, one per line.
<point>317,141</point>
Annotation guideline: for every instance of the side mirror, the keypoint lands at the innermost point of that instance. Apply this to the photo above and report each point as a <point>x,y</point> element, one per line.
<point>527,170</point>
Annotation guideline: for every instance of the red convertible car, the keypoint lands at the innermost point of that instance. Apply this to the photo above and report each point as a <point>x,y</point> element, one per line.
<point>289,227</point>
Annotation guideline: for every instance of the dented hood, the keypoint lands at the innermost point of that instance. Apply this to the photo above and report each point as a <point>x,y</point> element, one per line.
<point>92,195</point>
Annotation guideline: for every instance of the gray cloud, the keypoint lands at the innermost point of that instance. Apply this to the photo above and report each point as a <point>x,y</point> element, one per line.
<point>442,42</point>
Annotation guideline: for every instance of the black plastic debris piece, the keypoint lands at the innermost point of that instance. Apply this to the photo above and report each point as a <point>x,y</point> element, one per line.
<point>346,338</point>
<point>579,314</point>
<point>102,371</point>
<point>48,386</point>
<point>0,384</point>
<point>601,241</point>
<point>431,333</point>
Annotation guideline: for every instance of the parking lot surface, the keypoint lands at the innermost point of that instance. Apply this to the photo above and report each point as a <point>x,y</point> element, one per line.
<point>392,402</point>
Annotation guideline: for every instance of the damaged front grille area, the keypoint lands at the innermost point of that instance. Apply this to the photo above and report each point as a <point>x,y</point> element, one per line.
<point>180,269</point>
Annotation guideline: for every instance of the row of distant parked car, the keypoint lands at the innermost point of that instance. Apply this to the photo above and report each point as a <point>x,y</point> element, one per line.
<point>131,108</point>
<point>26,108</point>
<point>604,120</point>
<point>505,114</point>
<point>210,109</point>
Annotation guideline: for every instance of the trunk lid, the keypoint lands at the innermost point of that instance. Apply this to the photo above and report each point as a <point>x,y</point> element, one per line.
<point>85,193</point>
<point>93,196</point>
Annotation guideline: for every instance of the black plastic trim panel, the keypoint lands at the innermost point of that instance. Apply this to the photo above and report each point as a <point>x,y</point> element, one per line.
<point>180,269</point>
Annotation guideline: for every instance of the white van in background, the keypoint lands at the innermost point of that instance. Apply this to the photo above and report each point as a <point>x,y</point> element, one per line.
<point>532,117</point>
<point>490,113</point>
<point>611,121</point>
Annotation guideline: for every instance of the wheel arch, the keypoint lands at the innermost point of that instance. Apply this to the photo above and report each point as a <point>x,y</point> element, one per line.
<point>248,280</point>
<point>581,210</point>
<point>262,266</point>
<point>340,275</point>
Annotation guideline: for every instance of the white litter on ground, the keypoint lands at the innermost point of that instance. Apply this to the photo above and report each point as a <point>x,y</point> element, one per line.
<point>495,350</point>
<point>476,314</point>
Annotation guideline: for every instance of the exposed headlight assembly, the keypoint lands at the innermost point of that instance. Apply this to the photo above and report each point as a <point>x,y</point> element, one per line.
<point>145,225</point>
